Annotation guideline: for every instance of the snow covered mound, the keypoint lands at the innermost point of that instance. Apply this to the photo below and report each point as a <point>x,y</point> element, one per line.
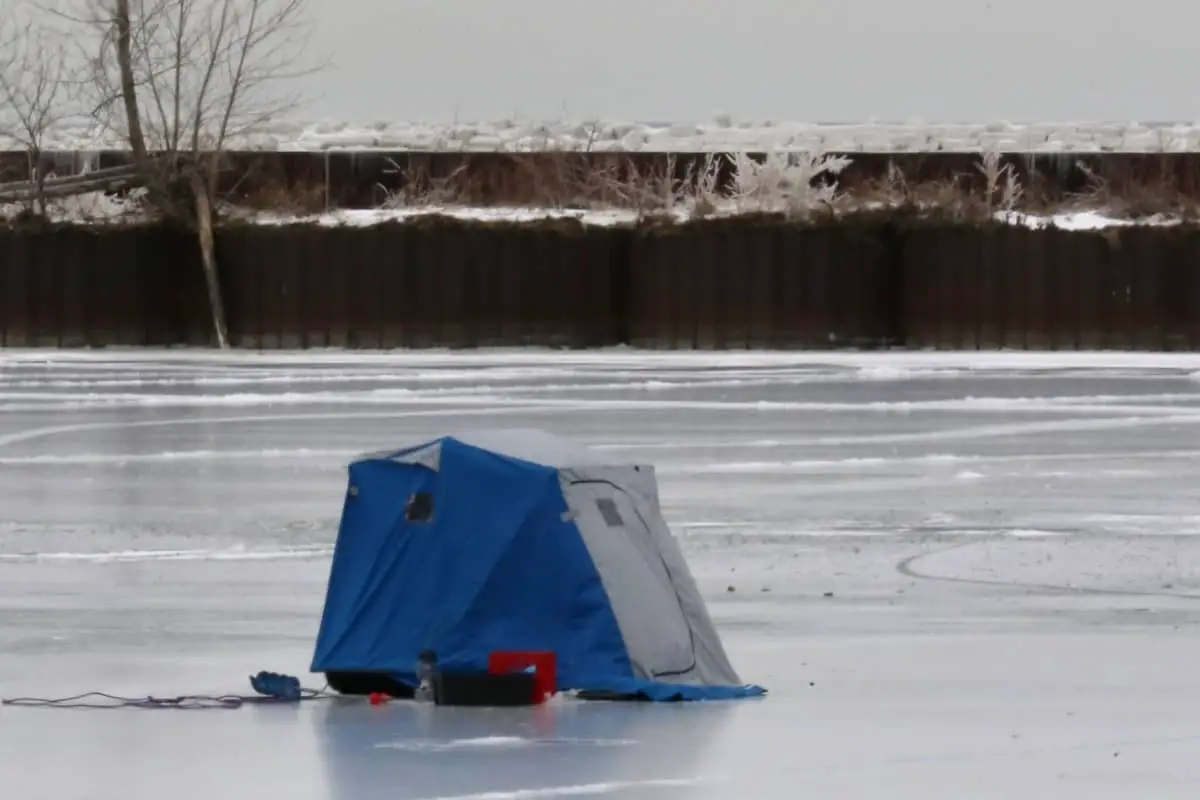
<point>723,135</point>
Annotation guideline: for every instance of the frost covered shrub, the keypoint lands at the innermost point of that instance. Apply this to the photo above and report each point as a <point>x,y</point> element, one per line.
<point>783,182</point>
<point>714,185</point>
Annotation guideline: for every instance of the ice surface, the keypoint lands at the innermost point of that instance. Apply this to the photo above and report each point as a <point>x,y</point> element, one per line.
<point>960,575</point>
<point>625,136</point>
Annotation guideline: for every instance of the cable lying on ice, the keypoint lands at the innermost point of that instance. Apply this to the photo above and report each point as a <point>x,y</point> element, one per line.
<point>272,688</point>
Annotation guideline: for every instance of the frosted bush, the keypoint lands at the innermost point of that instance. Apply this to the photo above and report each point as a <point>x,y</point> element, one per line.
<point>999,179</point>
<point>783,182</point>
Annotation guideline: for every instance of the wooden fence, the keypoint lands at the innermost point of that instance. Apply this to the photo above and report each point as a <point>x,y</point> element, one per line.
<point>743,283</point>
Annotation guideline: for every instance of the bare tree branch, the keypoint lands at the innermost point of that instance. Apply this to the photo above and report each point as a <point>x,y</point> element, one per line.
<point>122,23</point>
<point>33,88</point>
<point>203,71</point>
<point>190,76</point>
<point>177,80</point>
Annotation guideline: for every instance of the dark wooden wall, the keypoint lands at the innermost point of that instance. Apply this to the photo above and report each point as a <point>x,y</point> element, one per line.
<point>742,283</point>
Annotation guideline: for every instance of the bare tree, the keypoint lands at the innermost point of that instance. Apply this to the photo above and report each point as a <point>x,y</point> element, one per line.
<point>33,89</point>
<point>178,80</point>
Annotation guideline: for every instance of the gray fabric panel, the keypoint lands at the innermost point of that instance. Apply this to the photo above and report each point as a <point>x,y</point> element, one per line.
<point>429,456</point>
<point>667,628</point>
<point>648,614</point>
<point>712,662</point>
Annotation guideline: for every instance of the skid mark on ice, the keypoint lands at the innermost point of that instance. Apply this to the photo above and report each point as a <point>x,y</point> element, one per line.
<point>973,432</point>
<point>851,464</point>
<point>932,459</point>
<point>382,397</point>
<point>98,459</point>
<point>485,379</point>
<point>851,486</point>
<point>1013,429</point>
<point>496,742</point>
<point>389,393</point>
<point>503,396</point>
<point>577,790</point>
<point>490,378</point>
<point>69,381</point>
<point>87,427</point>
<point>127,556</point>
<point>611,357</point>
<point>909,568</point>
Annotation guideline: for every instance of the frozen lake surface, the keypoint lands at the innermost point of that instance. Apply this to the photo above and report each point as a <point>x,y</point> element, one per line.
<point>968,575</point>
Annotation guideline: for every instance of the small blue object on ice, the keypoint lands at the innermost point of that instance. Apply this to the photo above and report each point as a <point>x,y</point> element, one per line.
<point>273,684</point>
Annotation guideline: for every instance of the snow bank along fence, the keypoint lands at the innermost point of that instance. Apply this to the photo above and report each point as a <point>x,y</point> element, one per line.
<point>735,283</point>
<point>364,179</point>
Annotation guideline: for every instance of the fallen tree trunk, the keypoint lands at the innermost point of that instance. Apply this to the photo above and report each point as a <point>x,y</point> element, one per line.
<point>208,255</point>
<point>109,179</point>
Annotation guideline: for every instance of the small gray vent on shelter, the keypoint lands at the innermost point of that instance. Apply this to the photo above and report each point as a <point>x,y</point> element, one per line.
<point>608,510</point>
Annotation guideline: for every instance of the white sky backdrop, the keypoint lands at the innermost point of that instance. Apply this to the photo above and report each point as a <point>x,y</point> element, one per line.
<point>812,60</point>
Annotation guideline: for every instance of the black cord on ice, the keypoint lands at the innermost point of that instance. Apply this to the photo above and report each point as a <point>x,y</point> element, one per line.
<point>102,700</point>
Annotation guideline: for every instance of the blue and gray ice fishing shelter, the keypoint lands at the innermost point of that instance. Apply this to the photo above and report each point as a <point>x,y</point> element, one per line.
<point>517,540</point>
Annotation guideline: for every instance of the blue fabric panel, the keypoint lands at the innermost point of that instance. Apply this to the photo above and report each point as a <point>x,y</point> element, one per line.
<point>411,582</point>
<point>371,538</point>
<point>661,692</point>
<point>544,594</point>
<point>664,692</point>
<point>496,568</point>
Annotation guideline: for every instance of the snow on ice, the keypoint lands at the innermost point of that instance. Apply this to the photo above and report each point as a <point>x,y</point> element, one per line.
<point>99,208</point>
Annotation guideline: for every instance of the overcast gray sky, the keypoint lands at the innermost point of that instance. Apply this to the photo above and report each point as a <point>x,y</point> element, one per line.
<point>817,60</point>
